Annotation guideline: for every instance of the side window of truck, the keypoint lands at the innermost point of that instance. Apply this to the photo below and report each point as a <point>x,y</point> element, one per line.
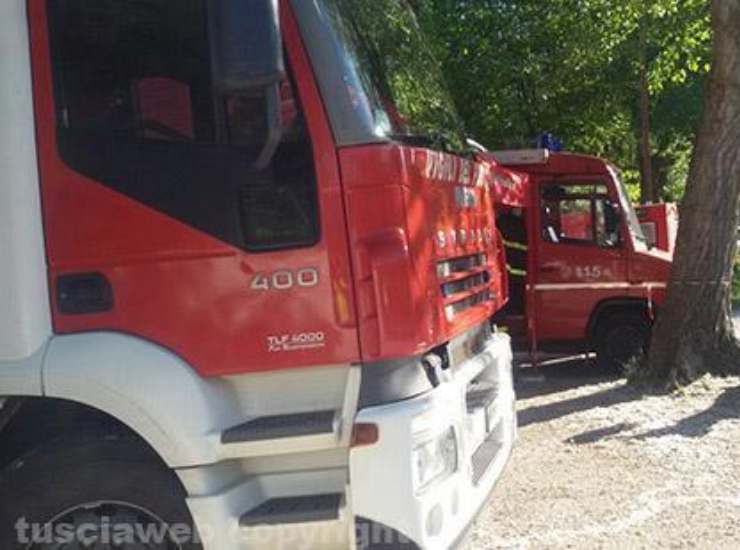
<point>137,112</point>
<point>576,214</point>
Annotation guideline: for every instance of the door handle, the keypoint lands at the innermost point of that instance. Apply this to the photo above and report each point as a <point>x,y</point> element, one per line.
<point>83,293</point>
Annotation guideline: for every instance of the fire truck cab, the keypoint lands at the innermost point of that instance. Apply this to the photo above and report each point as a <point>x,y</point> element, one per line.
<point>583,277</point>
<point>227,318</point>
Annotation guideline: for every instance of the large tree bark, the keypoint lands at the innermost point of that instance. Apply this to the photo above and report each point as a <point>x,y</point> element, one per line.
<point>647,191</point>
<point>661,169</point>
<point>694,332</point>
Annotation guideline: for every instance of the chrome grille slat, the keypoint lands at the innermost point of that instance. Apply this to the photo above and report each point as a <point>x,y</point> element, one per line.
<point>461,265</point>
<point>471,301</point>
<point>462,285</point>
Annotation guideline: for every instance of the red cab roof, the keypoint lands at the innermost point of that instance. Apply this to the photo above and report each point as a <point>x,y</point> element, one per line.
<point>511,177</point>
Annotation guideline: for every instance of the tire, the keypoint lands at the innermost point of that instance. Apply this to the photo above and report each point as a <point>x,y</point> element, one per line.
<point>620,337</point>
<point>75,484</point>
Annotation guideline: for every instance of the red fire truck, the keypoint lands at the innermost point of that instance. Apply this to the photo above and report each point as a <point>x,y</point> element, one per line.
<point>659,224</point>
<point>583,277</point>
<point>249,271</point>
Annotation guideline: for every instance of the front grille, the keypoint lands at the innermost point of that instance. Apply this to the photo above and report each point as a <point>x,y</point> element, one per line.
<point>487,452</point>
<point>465,283</point>
<point>455,309</point>
<point>465,264</point>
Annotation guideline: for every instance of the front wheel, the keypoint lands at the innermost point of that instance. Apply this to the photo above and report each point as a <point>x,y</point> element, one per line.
<point>103,494</point>
<point>620,338</point>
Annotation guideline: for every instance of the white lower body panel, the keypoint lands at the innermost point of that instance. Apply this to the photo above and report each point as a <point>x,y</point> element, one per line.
<point>382,474</point>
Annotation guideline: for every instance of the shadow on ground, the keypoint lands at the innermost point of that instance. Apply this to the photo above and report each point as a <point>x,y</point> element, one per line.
<point>559,377</point>
<point>553,379</point>
<point>576,373</point>
<point>593,436</point>
<point>726,407</point>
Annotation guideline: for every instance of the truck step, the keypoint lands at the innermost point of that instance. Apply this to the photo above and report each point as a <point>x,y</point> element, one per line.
<point>281,426</point>
<point>289,510</point>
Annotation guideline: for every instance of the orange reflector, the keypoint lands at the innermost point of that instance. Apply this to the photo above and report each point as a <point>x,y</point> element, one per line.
<point>365,434</point>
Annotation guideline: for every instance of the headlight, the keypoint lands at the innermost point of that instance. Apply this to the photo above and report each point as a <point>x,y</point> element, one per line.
<point>434,460</point>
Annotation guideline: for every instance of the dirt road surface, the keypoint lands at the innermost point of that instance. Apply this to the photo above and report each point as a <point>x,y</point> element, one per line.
<point>597,465</point>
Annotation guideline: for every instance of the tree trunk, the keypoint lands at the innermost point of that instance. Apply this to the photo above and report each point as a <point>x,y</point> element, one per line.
<point>694,332</point>
<point>647,192</point>
<point>661,169</point>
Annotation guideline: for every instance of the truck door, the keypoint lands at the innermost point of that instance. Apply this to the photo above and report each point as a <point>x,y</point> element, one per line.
<point>158,221</point>
<point>579,258</point>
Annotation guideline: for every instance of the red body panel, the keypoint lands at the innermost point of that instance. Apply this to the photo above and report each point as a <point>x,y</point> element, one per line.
<point>402,203</point>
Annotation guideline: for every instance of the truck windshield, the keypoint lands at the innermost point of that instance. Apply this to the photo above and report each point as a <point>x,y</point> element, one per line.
<point>390,61</point>
<point>629,211</point>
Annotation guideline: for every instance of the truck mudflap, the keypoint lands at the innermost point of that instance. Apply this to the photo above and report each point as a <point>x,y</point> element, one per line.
<point>438,456</point>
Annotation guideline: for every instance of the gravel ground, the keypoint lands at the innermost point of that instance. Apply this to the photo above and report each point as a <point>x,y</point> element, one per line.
<point>599,466</point>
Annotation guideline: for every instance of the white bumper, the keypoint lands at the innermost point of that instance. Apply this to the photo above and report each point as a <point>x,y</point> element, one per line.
<point>382,486</point>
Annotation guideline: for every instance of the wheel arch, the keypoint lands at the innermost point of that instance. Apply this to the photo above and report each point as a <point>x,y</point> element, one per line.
<point>615,305</point>
<point>163,400</point>
<point>145,387</point>
<point>28,423</point>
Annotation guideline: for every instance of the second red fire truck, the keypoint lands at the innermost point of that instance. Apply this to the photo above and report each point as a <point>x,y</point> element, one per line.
<point>583,276</point>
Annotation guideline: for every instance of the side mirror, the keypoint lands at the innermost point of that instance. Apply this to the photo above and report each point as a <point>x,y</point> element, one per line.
<point>248,59</point>
<point>247,45</point>
<point>612,221</point>
<point>611,217</point>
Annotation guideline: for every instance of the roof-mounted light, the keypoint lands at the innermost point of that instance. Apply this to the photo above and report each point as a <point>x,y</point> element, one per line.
<point>522,156</point>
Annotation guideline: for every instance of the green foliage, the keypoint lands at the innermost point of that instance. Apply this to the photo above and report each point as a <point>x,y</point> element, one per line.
<point>571,67</point>
<point>398,69</point>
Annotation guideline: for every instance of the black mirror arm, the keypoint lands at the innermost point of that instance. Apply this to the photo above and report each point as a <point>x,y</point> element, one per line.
<point>274,127</point>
